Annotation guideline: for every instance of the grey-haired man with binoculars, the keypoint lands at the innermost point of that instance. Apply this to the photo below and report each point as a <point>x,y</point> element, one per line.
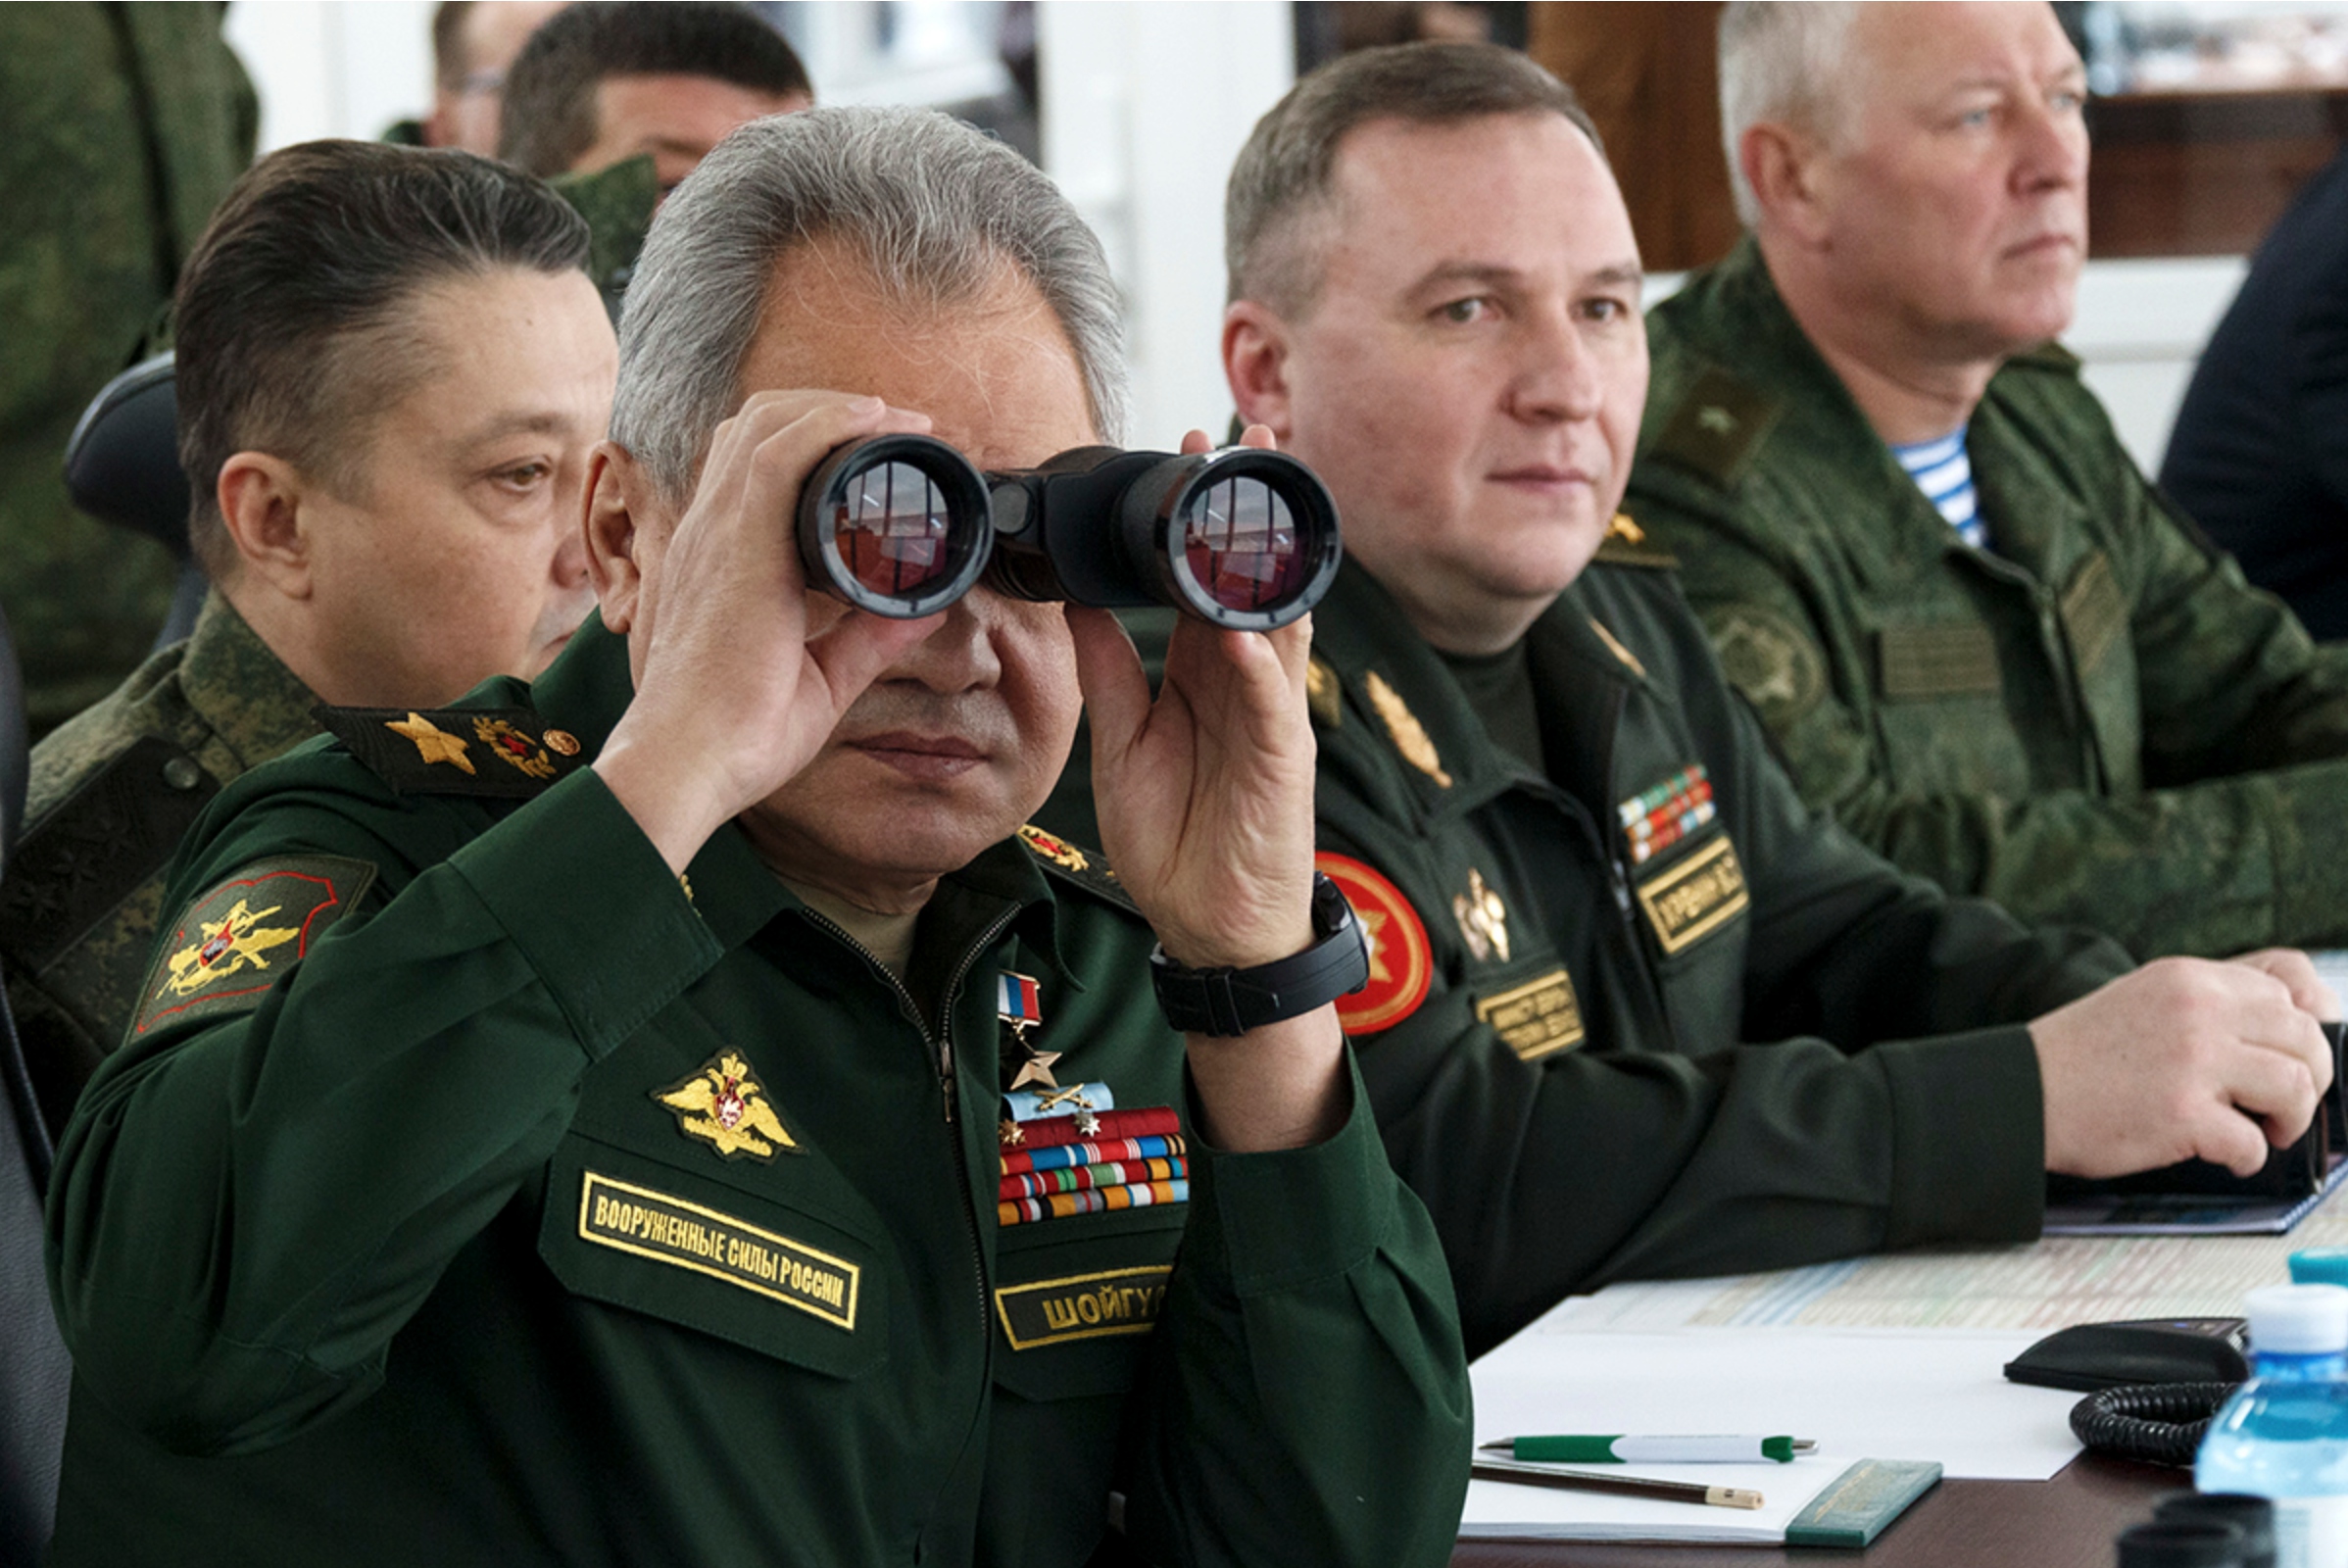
<point>687,1068</point>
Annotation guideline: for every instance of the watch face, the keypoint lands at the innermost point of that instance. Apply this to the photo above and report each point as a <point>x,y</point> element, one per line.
<point>1401,962</point>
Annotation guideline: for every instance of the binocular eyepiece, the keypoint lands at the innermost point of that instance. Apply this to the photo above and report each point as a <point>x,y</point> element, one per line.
<point>903,525</point>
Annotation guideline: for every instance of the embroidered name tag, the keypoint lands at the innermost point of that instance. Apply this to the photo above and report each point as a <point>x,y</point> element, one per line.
<point>669,1230</point>
<point>1535,1019</point>
<point>1083,1306</point>
<point>1954,659</point>
<point>1697,897</point>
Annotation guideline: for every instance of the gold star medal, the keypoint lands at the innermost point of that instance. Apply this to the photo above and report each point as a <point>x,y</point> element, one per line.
<point>727,1108</point>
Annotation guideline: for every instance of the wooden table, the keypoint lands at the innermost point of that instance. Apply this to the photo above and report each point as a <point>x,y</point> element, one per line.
<point>2068,1522</point>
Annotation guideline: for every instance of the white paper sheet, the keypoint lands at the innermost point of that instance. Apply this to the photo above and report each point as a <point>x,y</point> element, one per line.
<point>1861,1394</point>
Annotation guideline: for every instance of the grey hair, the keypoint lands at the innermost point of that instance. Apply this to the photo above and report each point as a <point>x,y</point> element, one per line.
<point>1781,61</point>
<point>934,208</point>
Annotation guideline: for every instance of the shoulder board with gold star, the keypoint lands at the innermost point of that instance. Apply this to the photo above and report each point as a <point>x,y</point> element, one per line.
<point>1627,545</point>
<point>498,751</point>
<point>1071,862</point>
<point>1717,426</point>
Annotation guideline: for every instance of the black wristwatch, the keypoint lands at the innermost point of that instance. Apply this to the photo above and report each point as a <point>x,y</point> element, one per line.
<point>1226,1002</point>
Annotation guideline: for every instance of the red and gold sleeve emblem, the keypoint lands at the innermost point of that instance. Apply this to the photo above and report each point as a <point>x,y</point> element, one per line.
<point>1401,963</point>
<point>229,946</point>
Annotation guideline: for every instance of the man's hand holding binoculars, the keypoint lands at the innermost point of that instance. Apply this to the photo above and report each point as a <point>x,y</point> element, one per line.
<point>1206,805</point>
<point>741,674</point>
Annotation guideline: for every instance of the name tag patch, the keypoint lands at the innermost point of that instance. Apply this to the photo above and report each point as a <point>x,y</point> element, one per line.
<point>1083,1306</point>
<point>669,1230</point>
<point>1697,897</point>
<point>1535,1019</point>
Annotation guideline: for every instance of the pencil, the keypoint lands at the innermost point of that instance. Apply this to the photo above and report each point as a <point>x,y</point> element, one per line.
<point>1542,1475</point>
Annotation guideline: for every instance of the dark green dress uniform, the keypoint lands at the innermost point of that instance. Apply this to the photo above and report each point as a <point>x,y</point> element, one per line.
<point>122,126</point>
<point>1639,1013</point>
<point>412,1224</point>
<point>112,791</point>
<point>2093,721</point>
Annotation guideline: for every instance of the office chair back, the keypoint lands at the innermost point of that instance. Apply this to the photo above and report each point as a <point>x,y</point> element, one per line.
<point>123,467</point>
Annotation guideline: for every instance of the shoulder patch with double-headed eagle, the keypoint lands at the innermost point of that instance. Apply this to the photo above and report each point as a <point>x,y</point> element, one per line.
<point>455,751</point>
<point>242,936</point>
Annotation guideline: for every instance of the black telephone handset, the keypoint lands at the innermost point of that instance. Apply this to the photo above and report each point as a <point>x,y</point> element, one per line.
<point>2111,1355</point>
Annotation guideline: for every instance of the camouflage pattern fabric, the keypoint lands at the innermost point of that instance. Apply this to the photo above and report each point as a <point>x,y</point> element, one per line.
<point>2097,720</point>
<point>111,793</point>
<point>618,204</point>
<point>122,126</point>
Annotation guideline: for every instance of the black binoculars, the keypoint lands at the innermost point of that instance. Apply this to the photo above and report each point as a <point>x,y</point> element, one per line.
<point>903,525</point>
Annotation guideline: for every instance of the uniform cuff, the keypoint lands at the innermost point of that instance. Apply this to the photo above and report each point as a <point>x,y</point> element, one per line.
<point>1968,1138</point>
<point>591,905</point>
<point>1282,1219</point>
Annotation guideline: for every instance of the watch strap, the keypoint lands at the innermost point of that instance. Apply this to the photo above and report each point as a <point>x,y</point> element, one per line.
<point>1225,1002</point>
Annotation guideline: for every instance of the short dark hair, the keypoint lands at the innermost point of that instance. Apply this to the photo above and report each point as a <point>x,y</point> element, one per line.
<point>1283,176</point>
<point>289,314</point>
<point>549,115</point>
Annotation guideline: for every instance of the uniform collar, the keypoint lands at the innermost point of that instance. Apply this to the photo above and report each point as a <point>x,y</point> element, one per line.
<point>240,689</point>
<point>1362,634</point>
<point>1736,317</point>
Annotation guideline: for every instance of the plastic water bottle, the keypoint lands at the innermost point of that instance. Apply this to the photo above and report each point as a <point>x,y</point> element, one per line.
<point>2285,1433</point>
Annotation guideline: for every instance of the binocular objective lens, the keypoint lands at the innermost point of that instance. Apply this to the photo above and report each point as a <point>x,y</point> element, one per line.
<point>894,531</point>
<point>1239,539</point>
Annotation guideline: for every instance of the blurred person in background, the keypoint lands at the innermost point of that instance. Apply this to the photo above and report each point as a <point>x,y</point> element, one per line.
<point>391,371</point>
<point>122,126</point>
<point>473,43</point>
<point>2258,456</point>
<point>617,103</point>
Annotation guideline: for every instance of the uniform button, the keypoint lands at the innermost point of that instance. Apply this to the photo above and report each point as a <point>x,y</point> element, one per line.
<point>182,773</point>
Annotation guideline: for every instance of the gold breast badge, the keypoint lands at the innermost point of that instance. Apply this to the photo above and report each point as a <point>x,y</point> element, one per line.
<point>726,1108</point>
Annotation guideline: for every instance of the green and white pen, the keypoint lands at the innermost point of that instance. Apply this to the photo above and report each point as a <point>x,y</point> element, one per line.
<point>1623,1449</point>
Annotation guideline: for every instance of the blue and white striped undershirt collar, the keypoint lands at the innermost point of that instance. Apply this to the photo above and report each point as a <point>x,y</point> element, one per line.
<point>1943,472</point>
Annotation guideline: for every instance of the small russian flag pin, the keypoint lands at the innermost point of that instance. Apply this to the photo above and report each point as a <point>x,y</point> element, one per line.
<point>1018,1000</point>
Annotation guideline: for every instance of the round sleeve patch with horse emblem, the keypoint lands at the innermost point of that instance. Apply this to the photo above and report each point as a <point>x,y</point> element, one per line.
<point>1401,963</point>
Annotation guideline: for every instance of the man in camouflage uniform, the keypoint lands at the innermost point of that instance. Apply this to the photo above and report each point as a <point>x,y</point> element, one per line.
<point>1635,1011</point>
<point>120,128</point>
<point>617,103</point>
<point>2041,685</point>
<point>381,527</point>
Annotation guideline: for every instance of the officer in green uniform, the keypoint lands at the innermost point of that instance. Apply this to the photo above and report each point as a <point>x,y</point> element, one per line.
<point>380,528</point>
<point>2037,683</point>
<point>1634,1009</point>
<point>120,128</point>
<point>669,1113</point>
<point>617,103</point>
